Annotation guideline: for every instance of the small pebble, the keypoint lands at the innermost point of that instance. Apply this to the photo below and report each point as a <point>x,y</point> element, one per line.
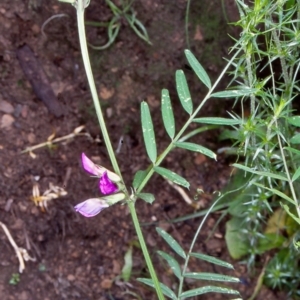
<point>71,277</point>
<point>6,121</point>
<point>106,284</point>
<point>6,107</point>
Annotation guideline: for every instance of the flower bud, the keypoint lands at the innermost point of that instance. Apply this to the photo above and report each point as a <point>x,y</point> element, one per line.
<point>113,199</point>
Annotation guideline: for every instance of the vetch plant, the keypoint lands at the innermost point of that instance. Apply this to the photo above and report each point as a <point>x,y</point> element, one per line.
<point>111,184</point>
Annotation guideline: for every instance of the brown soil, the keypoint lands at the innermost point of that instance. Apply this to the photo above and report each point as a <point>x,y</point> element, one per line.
<point>77,257</point>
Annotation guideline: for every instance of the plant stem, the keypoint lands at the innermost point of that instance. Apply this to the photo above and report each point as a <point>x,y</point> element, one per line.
<point>83,45</point>
<point>88,69</point>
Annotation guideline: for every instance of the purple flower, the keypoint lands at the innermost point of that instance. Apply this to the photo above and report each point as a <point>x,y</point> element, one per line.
<point>90,167</point>
<point>106,186</point>
<point>96,170</point>
<point>91,207</point>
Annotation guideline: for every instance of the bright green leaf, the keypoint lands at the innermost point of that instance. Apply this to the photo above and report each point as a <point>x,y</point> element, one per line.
<point>233,93</point>
<point>294,121</point>
<point>183,92</point>
<point>196,148</point>
<point>148,132</point>
<point>218,121</point>
<point>171,242</point>
<point>295,139</point>
<point>172,176</point>
<point>198,69</point>
<point>270,241</point>
<point>149,198</point>
<point>211,276</point>
<point>296,151</point>
<point>127,268</point>
<point>212,260</point>
<point>208,289</point>
<point>296,175</point>
<point>167,113</point>
<point>138,178</point>
<point>165,290</point>
<point>172,262</point>
<point>236,241</point>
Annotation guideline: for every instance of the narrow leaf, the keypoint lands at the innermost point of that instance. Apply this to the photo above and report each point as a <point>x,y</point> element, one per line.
<point>127,268</point>
<point>172,176</point>
<point>138,178</point>
<point>287,209</point>
<point>296,175</point>
<point>167,113</point>
<point>196,148</point>
<point>172,262</point>
<point>292,150</point>
<point>171,242</point>
<point>294,121</point>
<point>278,193</point>
<point>295,139</point>
<point>147,197</point>
<point>218,121</point>
<point>233,93</point>
<point>261,173</point>
<point>212,260</point>
<point>208,289</point>
<point>198,69</point>
<point>148,132</point>
<point>183,92</point>
<point>211,276</point>
<point>165,290</point>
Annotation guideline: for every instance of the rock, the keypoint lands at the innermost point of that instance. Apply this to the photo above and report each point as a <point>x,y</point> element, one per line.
<point>6,121</point>
<point>106,93</point>
<point>31,137</point>
<point>6,107</point>
<point>106,284</point>
<point>71,277</point>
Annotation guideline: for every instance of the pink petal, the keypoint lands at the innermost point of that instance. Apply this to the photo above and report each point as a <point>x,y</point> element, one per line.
<point>89,166</point>
<point>91,207</point>
<point>106,186</point>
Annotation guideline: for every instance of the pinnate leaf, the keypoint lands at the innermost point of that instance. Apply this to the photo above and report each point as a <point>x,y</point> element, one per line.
<point>172,176</point>
<point>172,262</point>
<point>171,242</point>
<point>208,289</point>
<point>147,197</point>
<point>212,260</point>
<point>167,113</point>
<point>211,276</point>
<point>148,132</point>
<point>218,121</point>
<point>198,69</point>
<point>165,290</point>
<point>184,92</point>
<point>196,148</point>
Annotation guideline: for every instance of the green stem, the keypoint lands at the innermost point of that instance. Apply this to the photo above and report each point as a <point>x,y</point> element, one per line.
<point>84,50</point>
<point>145,250</point>
<point>288,173</point>
<point>89,74</point>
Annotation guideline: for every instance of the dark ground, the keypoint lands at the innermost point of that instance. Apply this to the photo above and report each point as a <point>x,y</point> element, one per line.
<point>79,258</point>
